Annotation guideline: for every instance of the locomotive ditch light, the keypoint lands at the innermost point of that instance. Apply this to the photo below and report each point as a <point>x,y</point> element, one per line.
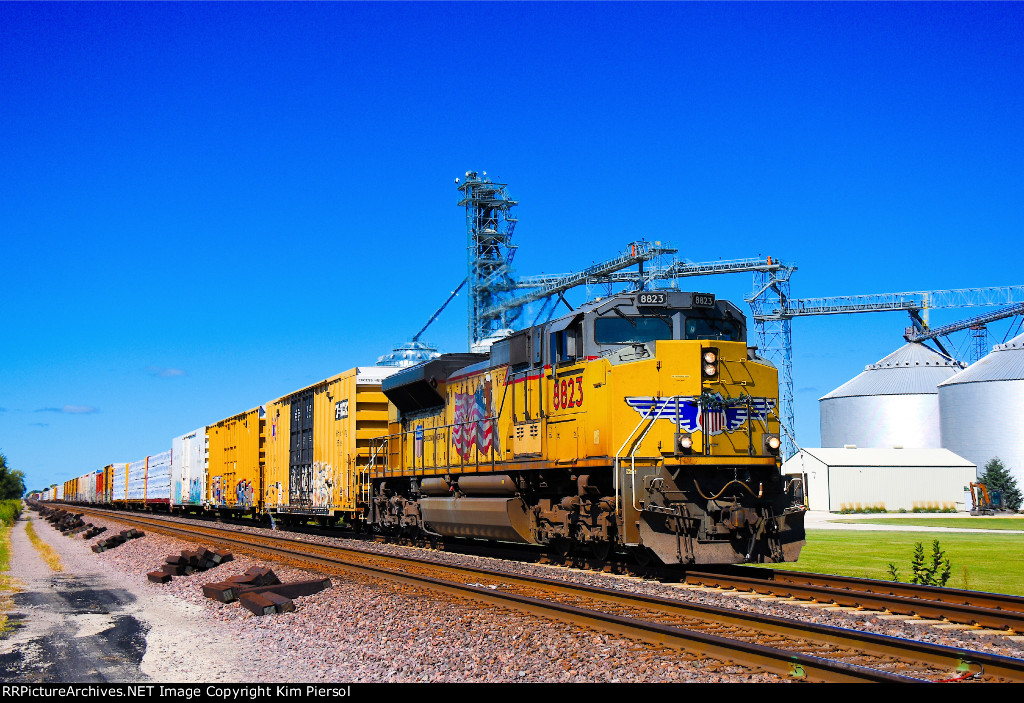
<point>709,362</point>
<point>684,442</point>
<point>772,444</point>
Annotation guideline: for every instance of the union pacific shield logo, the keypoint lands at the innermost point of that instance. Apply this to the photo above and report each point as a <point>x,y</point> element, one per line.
<point>683,410</point>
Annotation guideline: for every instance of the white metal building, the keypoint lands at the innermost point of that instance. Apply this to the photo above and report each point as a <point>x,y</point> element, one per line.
<point>896,479</point>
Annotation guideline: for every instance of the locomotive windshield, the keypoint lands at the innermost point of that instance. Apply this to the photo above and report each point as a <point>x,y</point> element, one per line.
<point>631,330</point>
<point>712,328</point>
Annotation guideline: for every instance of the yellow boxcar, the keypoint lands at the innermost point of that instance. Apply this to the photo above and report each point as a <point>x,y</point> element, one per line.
<point>319,445</point>
<point>236,458</point>
<point>104,488</point>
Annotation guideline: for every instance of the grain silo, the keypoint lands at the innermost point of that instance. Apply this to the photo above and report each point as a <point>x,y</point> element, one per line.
<point>893,403</point>
<point>983,409</point>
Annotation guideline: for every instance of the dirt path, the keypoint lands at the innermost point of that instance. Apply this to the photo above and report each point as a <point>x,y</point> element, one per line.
<point>85,626</point>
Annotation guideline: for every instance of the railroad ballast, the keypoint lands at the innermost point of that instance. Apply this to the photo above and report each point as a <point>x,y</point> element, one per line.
<point>638,423</point>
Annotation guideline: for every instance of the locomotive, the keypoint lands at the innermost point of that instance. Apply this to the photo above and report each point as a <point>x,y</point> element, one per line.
<point>642,423</point>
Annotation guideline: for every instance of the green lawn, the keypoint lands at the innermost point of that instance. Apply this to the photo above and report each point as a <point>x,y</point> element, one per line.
<point>977,523</point>
<point>980,562</point>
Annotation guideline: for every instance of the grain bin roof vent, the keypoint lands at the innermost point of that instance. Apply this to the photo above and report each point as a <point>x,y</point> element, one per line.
<point>1005,363</point>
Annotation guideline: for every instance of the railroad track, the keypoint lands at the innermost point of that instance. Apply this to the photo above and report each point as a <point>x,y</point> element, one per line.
<point>989,610</point>
<point>783,647</point>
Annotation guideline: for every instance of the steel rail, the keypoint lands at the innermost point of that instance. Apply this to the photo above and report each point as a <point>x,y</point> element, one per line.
<point>940,594</point>
<point>902,601</point>
<point>793,665</point>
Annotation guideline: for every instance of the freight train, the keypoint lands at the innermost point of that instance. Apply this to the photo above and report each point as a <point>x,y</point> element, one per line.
<point>641,423</point>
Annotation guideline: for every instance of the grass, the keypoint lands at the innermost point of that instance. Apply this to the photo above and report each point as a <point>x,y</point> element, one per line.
<point>977,523</point>
<point>45,550</point>
<point>8,513</point>
<point>980,562</point>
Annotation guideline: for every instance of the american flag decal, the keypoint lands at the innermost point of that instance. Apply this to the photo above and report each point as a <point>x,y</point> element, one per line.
<point>685,413</point>
<point>471,413</point>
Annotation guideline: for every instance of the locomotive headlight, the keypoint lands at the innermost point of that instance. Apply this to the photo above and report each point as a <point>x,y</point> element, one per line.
<point>684,442</point>
<point>709,362</point>
<point>772,442</point>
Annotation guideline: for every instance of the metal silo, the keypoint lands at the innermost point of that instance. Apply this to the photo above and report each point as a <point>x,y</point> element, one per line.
<point>893,403</point>
<point>983,409</point>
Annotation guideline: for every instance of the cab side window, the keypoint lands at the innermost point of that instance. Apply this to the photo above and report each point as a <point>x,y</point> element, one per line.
<point>567,344</point>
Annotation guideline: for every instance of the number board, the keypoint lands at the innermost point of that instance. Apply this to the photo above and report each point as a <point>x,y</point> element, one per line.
<point>568,393</point>
<point>652,299</point>
<point>703,300</point>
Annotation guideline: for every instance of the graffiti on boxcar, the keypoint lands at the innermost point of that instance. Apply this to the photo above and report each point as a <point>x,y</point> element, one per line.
<point>216,493</point>
<point>195,491</point>
<point>274,494</point>
<point>244,493</point>
<point>322,484</point>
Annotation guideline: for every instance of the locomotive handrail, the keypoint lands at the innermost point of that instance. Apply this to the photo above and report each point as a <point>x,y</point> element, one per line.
<point>493,420</point>
<point>617,482</point>
<point>632,454</point>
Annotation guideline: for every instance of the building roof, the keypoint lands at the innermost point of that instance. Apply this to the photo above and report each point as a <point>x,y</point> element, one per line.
<point>1005,363</point>
<point>911,369</point>
<point>885,457</point>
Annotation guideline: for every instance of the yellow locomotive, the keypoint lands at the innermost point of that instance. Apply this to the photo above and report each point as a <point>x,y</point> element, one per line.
<point>641,422</point>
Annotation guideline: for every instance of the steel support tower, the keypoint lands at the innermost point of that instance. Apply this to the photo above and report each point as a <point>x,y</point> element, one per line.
<point>489,225</point>
<point>775,336</point>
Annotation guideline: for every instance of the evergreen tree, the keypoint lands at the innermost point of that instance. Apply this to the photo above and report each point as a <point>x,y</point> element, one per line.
<point>997,477</point>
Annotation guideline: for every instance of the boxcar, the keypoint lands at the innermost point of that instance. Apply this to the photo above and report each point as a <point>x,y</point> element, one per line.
<point>319,445</point>
<point>236,458</point>
<point>188,470</point>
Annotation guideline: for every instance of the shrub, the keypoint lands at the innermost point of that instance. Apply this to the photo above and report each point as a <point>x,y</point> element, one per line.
<point>935,571</point>
<point>9,511</point>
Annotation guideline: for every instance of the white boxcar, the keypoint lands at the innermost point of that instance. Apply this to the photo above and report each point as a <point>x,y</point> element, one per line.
<point>188,468</point>
<point>58,492</point>
<point>158,478</point>
<point>137,480</point>
<point>87,488</point>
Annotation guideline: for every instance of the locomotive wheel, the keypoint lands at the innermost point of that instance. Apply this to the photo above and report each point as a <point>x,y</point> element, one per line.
<point>600,549</point>
<point>560,548</point>
<point>641,554</point>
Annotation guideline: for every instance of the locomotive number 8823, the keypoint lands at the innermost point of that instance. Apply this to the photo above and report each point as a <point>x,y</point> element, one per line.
<point>641,422</point>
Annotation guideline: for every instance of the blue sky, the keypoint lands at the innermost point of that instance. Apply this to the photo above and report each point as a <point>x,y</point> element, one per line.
<point>205,206</point>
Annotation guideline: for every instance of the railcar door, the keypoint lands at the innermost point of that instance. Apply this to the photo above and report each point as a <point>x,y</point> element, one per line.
<point>300,454</point>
